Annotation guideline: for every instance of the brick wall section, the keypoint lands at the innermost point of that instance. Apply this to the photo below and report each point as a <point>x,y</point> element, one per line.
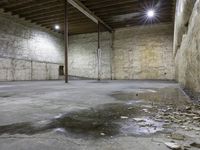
<point>144,52</point>
<point>27,51</point>
<point>83,55</point>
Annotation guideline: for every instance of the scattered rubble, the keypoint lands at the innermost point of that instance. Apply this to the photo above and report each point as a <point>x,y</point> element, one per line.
<point>187,118</point>
<point>195,144</point>
<point>173,146</point>
<point>139,119</point>
<point>124,117</point>
<point>177,136</point>
<point>184,117</point>
<point>102,134</point>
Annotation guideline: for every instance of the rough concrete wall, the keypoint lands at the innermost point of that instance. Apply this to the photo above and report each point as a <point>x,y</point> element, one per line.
<point>83,55</point>
<point>188,55</point>
<point>27,51</point>
<point>143,53</point>
<point>15,69</point>
<point>182,16</point>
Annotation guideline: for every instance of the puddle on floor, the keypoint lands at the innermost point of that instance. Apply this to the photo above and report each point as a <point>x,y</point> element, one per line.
<point>104,120</point>
<point>142,126</point>
<point>5,95</point>
<point>160,96</point>
<point>132,115</point>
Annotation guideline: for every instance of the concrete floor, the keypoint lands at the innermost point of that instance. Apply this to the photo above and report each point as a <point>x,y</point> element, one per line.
<point>87,115</point>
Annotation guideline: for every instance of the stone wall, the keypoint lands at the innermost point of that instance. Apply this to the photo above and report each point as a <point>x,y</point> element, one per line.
<point>144,52</point>
<point>27,51</point>
<point>83,55</point>
<point>182,16</point>
<point>187,58</point>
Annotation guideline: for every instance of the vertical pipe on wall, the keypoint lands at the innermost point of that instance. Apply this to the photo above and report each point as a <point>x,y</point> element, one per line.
<point>99,53</point>
<point>66,41</point>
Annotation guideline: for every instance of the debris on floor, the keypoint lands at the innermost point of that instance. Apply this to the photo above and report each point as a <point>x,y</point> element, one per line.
<point>195,144</point>
<point>173,146</point>
<point>124,117</point>
<point>187,118</point>
<point>177,136</point>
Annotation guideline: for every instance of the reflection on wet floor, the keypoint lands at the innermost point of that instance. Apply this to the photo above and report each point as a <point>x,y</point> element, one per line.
<point>142,126</point>
<point>173,96</point>
<point>104,119</point>
<point>132,115</point>
<point>5,95</point>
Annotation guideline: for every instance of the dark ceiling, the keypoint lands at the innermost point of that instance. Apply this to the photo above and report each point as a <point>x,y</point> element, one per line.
<point>115,13</point>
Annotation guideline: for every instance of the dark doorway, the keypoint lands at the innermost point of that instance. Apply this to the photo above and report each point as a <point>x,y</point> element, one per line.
<point>61,70</point>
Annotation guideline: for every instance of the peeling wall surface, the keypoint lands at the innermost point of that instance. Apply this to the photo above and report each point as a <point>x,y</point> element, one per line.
<point>188,55</point>
<point>83,55</point>
<point>144,52</point>
<point>28,52</point>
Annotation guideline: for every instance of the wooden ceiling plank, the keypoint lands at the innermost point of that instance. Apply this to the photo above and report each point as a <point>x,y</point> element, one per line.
<point>30,5</point>
<point>47,13</point>
<point>77,4</point>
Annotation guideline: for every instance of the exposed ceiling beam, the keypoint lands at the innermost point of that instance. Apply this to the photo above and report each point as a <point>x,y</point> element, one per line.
<point>82,8</point>
<point>115,13</point>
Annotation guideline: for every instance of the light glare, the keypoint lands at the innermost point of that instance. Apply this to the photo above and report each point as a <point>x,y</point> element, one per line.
<point>57,27</point>
<point>150,13</point>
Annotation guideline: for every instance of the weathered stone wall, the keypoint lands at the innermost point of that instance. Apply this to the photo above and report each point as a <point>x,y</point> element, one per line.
<point>83,55</point>
<point>28,52</point>
<point>144,52</point>
<point>182,16</point>
<point>187,58</point>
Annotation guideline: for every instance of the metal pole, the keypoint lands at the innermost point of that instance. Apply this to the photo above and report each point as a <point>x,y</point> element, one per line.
<point>99,52</point>
<point>98,35</point>
<point>66,41</point>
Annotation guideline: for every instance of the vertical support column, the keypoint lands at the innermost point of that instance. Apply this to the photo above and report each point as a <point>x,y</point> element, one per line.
<point>66,41</point>
<point>98,35</point>
<point>99,53</point>
<point>111,54</point>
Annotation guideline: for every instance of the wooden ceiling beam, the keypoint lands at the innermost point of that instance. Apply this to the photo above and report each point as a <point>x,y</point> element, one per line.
<point>61,18</point>
<point>113,5</point>
<point>50,20</point>
<point>82,8</point>
<point>27,4</point>
<point>12,3</point>
<point>47,13</point>
<point>60,22</point>
<point>30,5</point>
<point>51,12</point>
<point>59,10</point>
<point>106,2</point>
<point>42,11</point>
<point>35,9</point>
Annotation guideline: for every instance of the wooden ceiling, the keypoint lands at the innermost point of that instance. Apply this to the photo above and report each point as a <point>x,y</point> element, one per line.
<point>115,13</point>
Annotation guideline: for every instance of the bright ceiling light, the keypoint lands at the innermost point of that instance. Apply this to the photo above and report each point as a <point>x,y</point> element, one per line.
<point>150,13</point>
<point>57,27</point>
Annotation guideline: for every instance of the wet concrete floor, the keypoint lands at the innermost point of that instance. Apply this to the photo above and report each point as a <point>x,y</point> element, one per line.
<point>131,114</point>
<point>96,115</point>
